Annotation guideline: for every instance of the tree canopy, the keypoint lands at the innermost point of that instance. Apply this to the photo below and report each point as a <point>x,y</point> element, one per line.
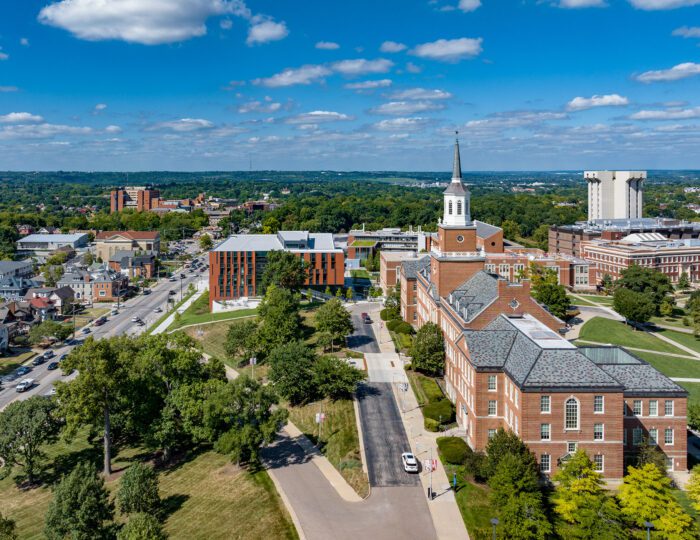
<point>286,270</point>
<point>428,350</point>
<point>333,319</point>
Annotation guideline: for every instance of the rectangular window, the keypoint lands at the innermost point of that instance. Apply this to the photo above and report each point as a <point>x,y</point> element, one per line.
<point>599,462</point>
<point>492,383</point>
<point>598,404</point>
<point>653,407</point>
<point>637,436</point>
<point>668,407</point>
<point>653,436</point>
<point>668,436</point>
<point>545,463</point>
<point>637,407</point>
<point>545,404</point>
<point>492,407</point>
<point>571,447</point>
<point>624,437</point>
<point>598,432</point>
<point>545,432</point>
<point>669,464</point>
<point>492,433</point>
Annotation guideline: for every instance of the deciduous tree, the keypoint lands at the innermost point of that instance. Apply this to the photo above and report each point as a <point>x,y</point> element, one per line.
<point>332,318</point>
<point>242,339</point>
<point>138,491</point>
<point>428,350</point>
<point>652,283</point>
<point>633,306</point>
<point>8,528</point>
<point>286,270</point>
<point>278,317</point>
<point>291,371</point>
<point>335,378</point>
<point>142,527</point>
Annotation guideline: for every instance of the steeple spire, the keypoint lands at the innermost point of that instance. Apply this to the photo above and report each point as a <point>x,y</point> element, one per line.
<point>457,163</point>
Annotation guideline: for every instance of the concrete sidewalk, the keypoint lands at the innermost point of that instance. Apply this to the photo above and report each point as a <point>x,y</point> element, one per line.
<point>162,327</point>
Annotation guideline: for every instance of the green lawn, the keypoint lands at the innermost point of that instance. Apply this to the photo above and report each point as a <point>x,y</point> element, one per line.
<point>425,388</point>
<point>361,273</point>
<point>672,367</point>
<point>689,340</point>
<point>205,497</point>
<point>597,299</point>
<point>603,330</point>
<point>212,337</point>
<point>14,359</point>
<point>340,441</point>
<point>675,320</point>
<point>473,502</point>
<point>693,392</point>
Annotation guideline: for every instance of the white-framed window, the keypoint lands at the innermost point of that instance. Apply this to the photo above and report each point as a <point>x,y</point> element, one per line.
<point>653,436</point>
<point>598,404</point>
<point>668,407</point>
<point>545,432</point>
<point>103,293</point>
<point>545,463</point>
<point>492,383</point>
<point>599,462</point>
<point>571,447</point>
<point>669,464</point>
<point>637,436</point>
<point>668,436</point>
<point>571,413</point>
<point>653,407</point>
<point>598,432</point>
<point>493,407</point>
<point>637,407</point>
<point>545,404</point>
<point>492,433</point>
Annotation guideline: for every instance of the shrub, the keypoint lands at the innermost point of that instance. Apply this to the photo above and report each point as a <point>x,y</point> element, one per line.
<point>393,324</point>
<point>431,425</point>
<point>403,328</point>
<point>441,410</point>
<point>475,465</point>
<point>686,321</point>
<point>453,449</point>
<point>387,314</point>
<point>432,389</point>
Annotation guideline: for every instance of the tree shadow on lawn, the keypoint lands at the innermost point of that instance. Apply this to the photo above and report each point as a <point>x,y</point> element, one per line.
<point>63,464</point>
<point>172,504</point>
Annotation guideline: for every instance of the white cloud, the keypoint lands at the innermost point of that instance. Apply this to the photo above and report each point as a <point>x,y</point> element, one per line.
<point>327,45</point>
<point>20,118</point>
<point>687,32</point>
<point>113,129</point>
<point>317,117</point>
<point>100,107</point>
<point>392,47</point>
<point>401,124</point>
<point>513,119</point>
<point>420,93</point>
<point>607,100</point>
<point>369,85</point>
<point>183,125</point>
<point>469,5</point>
<point>576,4</point>
<point>651,5</point>
<point>292,76</point>
<point>266,31</point>
<point>667,114</point>
<point>412,68</point>
<point>402,108</point>
<point>41,131</point>
<point>8,89</point>
<point>680,71</point>
<point>24,42</point>
<point>449,50</point>
<point>360,66</point>
<point>259,106</point>
<point>226,24</point>
<point>3,56</point>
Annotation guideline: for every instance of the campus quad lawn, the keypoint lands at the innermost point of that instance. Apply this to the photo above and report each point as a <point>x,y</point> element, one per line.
<point>689,340</point>
<point>204,497</point>
<point>602,330</point>
<point>472,500</point>
<point>671,366</point>
<point>693,392</point>
<point>340,441</point>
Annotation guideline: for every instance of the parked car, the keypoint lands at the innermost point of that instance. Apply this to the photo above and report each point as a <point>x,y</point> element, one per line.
<point>135,319</point>
<point>49,354</point>
<point>172,278</point>
<point>38,360</point>
<point>410,463</point>
<point>158,310</point>
<point>114,312</point>
<point>366,318</point>
<point>147,291</point>
<point>172,293</point>
<point>52,366</point>
<point>22,370</point>
<point>61,358</point>
<point>86,330</point>
<point>24,385</point>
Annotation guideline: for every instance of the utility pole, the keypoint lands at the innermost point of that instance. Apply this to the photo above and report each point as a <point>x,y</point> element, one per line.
<point>430,488</point>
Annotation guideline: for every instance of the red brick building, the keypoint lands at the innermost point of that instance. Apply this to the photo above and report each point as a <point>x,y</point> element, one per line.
<point>236,266</point>
<point>141,199</point>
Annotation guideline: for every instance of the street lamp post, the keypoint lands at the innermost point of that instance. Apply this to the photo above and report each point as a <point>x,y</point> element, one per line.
<point>649,526</point>
<point>494,524</point>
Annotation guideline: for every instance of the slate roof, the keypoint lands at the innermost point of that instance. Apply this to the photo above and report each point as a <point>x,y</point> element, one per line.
<point>411,268</point>
<point>484,230</point>
<point>474,295</point>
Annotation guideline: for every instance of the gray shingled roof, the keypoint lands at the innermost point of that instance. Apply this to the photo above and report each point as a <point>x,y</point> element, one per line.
<point>484,230</point>
<point>411,268</point>
<point>455,188</point>
<point>489,349</point>
<point>641,378</point>
<point>568,368</point>
<point>474,295</point>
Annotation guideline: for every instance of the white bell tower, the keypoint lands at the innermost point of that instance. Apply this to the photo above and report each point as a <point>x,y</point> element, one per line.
<point>456,211</point>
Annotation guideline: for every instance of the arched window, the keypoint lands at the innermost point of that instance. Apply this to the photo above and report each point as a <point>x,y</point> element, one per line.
<point>571,413</point>
<point>449,207</point>
<point>459,208</point>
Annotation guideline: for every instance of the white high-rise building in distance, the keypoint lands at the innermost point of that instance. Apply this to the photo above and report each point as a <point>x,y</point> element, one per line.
<point>615,194</point>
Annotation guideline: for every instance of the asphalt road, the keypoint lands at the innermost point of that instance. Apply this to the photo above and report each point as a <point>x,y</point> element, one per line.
<point>142,306</point>
<point>363,338</point>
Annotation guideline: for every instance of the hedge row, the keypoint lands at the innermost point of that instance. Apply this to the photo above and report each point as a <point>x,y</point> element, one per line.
<point>453,449</point>
<point>399,326</point>
<point>441,411</point>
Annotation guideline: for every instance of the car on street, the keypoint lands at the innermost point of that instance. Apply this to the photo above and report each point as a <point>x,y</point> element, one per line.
<point>172,278</point>
<point>366,318</point>
<point>22,370</point>
<point>38,360</point>
<point>100,321</point>
<point>172,293</point>
<point>147,291</point>
<point>135,319</point>
<point>24,385</point>
<point>158,310</point>
<point>49,354</point>
<point>182,276</point>
<point>114,312</point>
<point>86,330</point>
<point>410,463</point>
<point>52,366</point>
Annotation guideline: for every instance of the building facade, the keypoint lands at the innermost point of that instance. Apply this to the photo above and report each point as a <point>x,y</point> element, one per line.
<point>615,194</point>
<point>236,266</point>
<point>108,243</point>
<point>139,198</point>
<point>43,245</point>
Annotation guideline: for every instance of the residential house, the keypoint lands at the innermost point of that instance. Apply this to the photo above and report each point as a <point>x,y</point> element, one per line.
<point>134,264</point>
<point>14,288</point>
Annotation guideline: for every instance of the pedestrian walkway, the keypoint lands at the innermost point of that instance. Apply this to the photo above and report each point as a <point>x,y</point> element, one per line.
<point>673,355</point>
<point>668,340</point>
<point>684,379</point>
<point>162,327</point>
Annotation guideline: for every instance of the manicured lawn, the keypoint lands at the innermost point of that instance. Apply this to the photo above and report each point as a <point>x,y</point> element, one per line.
<point>676,321</point>
<point>212,337</point>
<point>603,330</point>
<point>693,392</point>
<point>689,340</point>
<point>340,442</point>
<point>14,359</point>
<point>425,388</point>
<point>672,367</point>
<point>361,273</point>
<point>597,299</point>
<point>473,502</point>
<point>205,497</point>
<point>686,503</point>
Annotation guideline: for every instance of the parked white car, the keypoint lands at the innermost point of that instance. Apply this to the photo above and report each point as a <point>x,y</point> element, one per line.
<point>24,385</point>
<point>410,463</point>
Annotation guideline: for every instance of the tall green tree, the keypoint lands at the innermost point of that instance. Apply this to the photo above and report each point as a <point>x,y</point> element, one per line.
<point>286,270</point>
<point>693,487</point>
<point>428,350</point>
<point>332,318</point>
<point>502,444</point>
<point>652,283</point>
<point>291,372</point>
<point>80,508</point>
<point>334,378</point>
<point>515,474</point>
<point>8,528</point>
<point>392,304</point>
<point>138,491</point>
<point>25,428</point>
<point>278,317</point>
<point>554,297</point>
<point>523,517</point>
<point>633,305</point>
<point>205,242</point>
<point>142,527</point>
<point>242,339</point>
<point>99,389</point>
<point>683,282</point>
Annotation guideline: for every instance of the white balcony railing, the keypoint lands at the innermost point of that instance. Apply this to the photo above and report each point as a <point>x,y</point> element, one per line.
<point>458,254</point>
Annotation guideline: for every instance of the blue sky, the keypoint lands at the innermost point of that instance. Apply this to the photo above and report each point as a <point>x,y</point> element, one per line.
<point>362,85</point>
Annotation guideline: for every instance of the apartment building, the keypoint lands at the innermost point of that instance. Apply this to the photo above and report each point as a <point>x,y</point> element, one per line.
<point>615,194</point>
<point>43,245</point>
<point>236,265</point>
<point>139,198</point>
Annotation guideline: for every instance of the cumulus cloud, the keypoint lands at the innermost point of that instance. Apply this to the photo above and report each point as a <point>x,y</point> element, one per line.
<point>317,117</point>
<point>576,4</point>
<point>100,107</point>
<point>24,42</point>
<point>293,76</point>
<point>687,32</point>
<point>392,47</point>
<point>607,100</point>
<point>266,31</point>
<point>3,56</point>
<point>514,119</point>
<point>403,108</point>
<point>41,131</point>
<point>651,5</point>
<point>412,68</point>
<point>260,107</point>
<point>369,85</point>
<point>468,5</point>
<point>677,72</point>
<point>20,118</point>
<point>361,66</point>
<point>401,124</point>
<point>113,129</point>
<point>674,113</point>
<point>449,50</point>
<point>327,45</point>
<point>420,93</point>
<point>153,22</point>
<point>183,125</point>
